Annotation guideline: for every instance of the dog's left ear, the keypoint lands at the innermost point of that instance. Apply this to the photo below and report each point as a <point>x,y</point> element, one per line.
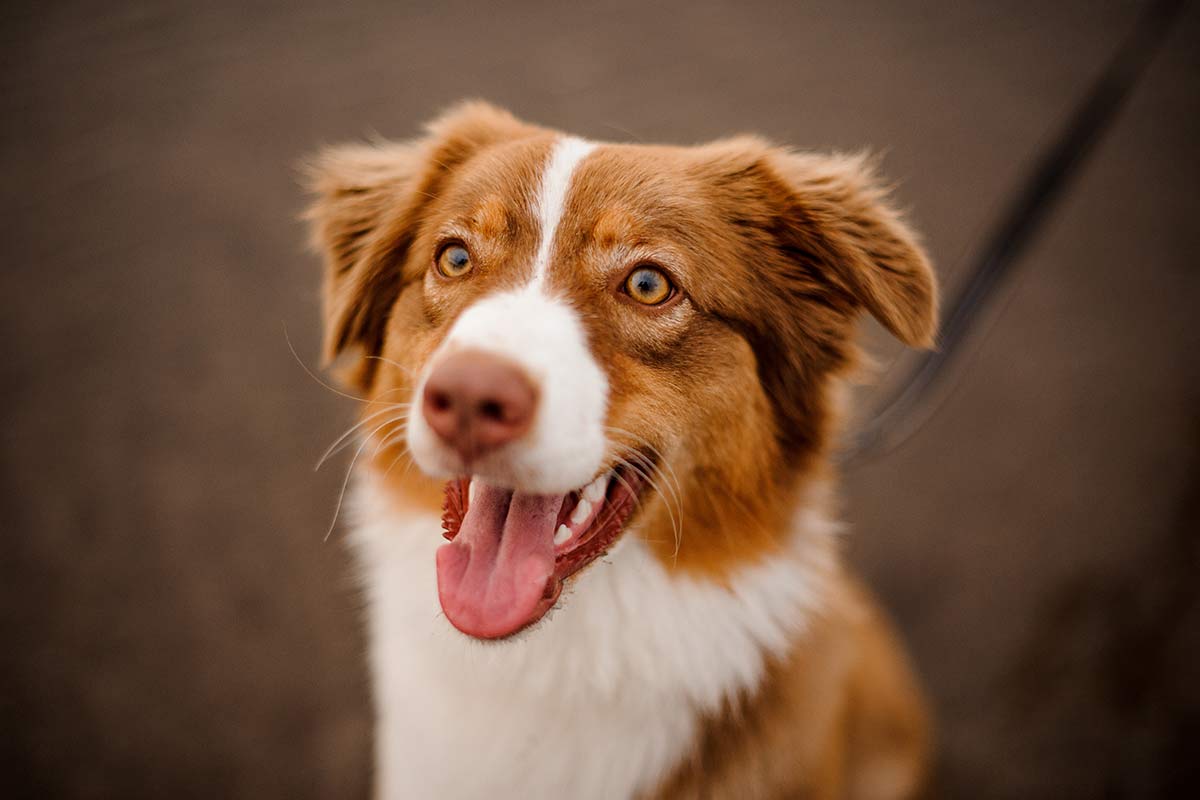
<point>836,214</point>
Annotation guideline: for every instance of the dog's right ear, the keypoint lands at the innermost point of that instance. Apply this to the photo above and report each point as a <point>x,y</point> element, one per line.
<point>368,202</point>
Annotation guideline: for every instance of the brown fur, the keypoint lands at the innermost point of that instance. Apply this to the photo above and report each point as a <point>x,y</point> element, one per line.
<point>841,717</point>
<point>729,384</point>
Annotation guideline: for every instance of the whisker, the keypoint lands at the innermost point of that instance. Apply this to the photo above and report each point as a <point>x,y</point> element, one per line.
<point>411,372</point>
<point>676,525</point>
<point>344,439</point>
<point>389,391</point>
<point>406,455</point>
<point>313,375</point>
<point>637,463</point>
<point>662,459</point>
<point>287,337</point>
<point>393,436</point>
<point>653,469</point>
<point>671,480</point>
<point>346,482</point>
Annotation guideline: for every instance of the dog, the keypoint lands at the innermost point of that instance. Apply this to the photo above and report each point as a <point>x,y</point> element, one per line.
<point>593,511</point>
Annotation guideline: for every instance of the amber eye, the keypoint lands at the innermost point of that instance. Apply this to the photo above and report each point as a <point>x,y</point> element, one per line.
<point>454,261</point>
<point>649,286</point>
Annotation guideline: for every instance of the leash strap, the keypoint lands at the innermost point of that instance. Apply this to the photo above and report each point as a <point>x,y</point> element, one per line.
<point>895,420</point>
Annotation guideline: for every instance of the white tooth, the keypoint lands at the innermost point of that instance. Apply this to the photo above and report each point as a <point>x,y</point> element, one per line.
<point>562,534</point>
<point>471,492</point>
<point>581,511</point>
<point>594,491</point>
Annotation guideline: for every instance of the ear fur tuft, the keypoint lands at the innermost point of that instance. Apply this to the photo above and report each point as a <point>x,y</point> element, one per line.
<point>839,208</point>
<point>367,204</point>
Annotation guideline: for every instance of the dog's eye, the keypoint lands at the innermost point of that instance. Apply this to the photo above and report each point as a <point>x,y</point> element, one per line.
<point>649,286</point>
<point>454,261</point>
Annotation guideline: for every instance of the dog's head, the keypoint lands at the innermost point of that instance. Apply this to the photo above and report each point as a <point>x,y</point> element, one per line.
<point>589,333</point>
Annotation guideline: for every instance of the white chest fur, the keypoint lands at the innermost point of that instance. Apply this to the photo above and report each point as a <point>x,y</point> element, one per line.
<point>601,699</point>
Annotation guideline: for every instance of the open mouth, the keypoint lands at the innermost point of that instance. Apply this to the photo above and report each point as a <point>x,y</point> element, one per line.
<point>510,552</point>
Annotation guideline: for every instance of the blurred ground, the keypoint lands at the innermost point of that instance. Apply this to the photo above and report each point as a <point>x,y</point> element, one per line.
<point>172,623</point>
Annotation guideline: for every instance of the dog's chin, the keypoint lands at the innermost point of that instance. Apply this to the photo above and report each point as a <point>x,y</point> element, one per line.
<point>511,551</point>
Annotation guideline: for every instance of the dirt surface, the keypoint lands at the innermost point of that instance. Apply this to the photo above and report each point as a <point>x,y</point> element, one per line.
<point>174,624</point>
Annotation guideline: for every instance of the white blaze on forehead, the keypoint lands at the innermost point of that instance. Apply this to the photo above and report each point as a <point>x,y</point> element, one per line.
<point>565,158</point>
<point>544,335</point>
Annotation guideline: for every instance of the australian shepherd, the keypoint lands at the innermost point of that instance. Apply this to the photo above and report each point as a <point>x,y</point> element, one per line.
<point>601,385</point>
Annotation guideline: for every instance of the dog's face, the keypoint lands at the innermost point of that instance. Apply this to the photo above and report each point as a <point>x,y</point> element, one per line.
<point>590,333</point>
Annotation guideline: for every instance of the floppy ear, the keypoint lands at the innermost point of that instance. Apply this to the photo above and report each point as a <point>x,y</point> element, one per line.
<point>368,204</point>
<point>838,215</point>
<point>816,243</point>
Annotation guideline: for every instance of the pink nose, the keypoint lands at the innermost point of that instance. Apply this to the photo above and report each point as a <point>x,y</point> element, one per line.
<point>476,402</point>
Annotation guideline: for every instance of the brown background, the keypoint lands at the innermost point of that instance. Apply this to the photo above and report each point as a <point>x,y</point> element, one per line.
<point>171,623</point>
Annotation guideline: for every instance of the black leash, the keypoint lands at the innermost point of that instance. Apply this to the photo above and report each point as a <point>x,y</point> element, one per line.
<point>892,423</point>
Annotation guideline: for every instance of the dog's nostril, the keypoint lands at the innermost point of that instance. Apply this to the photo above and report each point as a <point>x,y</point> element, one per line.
<point>492,410</point>
<point>476,402</point>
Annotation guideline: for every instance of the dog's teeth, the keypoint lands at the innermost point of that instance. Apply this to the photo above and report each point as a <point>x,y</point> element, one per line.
<point>471,492</point>
<point>581,511</point>
<point>562,534</point>
<point>594,491</point>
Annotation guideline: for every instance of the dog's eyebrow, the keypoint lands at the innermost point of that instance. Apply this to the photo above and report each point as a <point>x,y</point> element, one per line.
<point>492,217</point>
<point>614,226</point>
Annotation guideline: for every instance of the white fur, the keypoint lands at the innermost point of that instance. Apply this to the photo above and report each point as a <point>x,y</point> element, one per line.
<point>565,158</point>
<point>602,699</point>
<point>565,447</point>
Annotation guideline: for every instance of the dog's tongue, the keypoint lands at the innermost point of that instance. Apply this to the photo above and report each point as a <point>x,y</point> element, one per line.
<point>493,578</point>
